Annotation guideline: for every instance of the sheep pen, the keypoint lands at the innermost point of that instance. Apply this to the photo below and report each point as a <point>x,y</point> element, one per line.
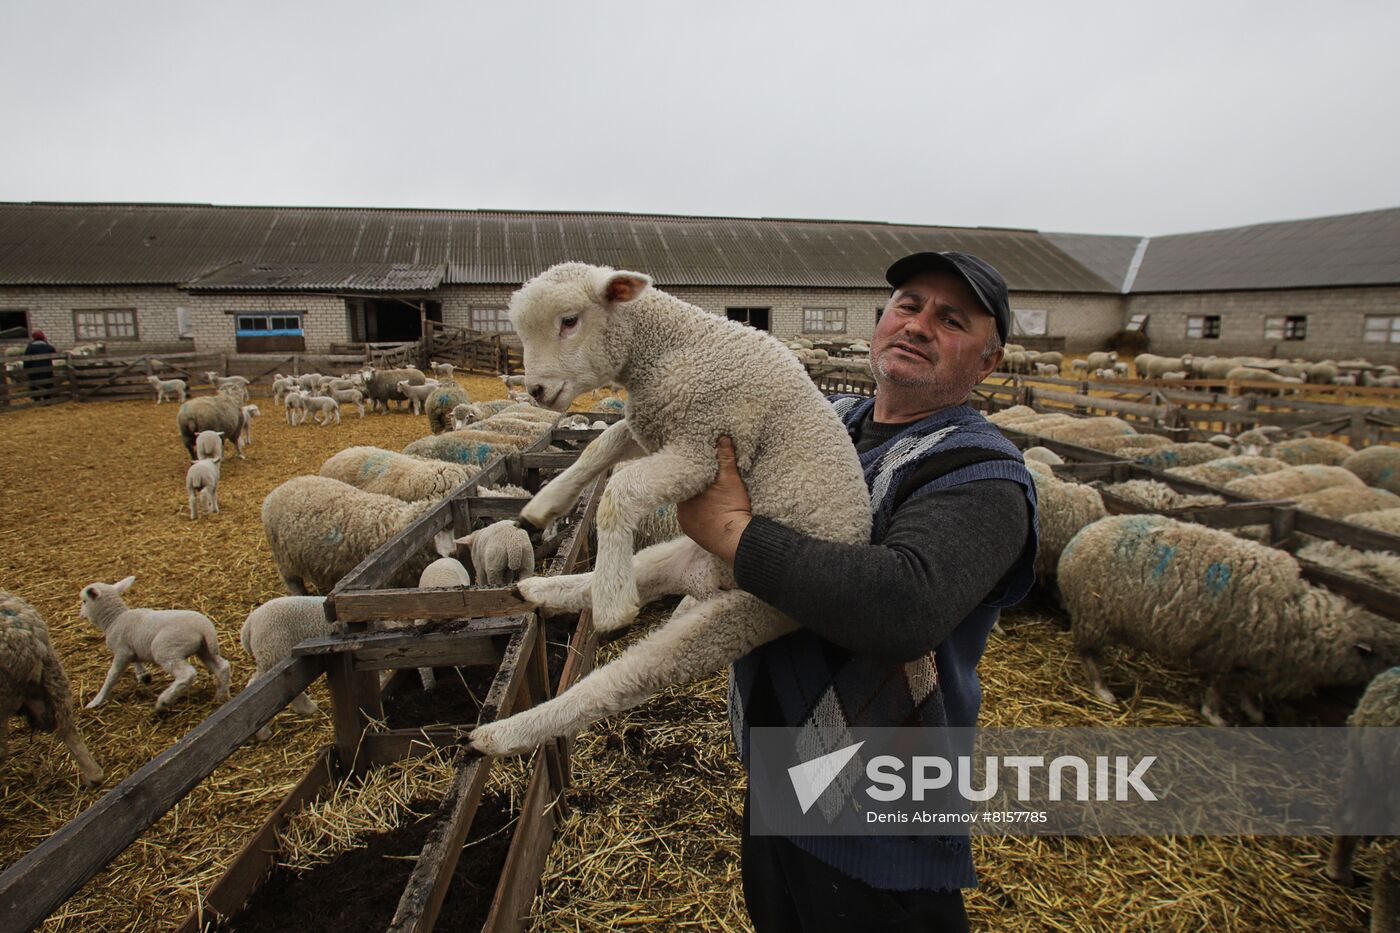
<point>652,834</point>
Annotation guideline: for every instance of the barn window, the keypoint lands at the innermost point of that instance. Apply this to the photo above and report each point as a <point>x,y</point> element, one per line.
<point>1204,326</point>
<point>491,321</point>
<point>16,320</point>
<point>754,317</point>
<point>105,324</point>
<point>1382,328</point>
<point>823,320</point>
<point>269,333</point>
<point>1292,327</point>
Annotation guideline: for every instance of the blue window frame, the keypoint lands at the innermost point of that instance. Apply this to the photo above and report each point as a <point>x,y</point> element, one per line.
<point>280,324</point>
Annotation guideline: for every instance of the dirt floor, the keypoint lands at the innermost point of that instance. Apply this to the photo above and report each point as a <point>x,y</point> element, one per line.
<point>95,492</point>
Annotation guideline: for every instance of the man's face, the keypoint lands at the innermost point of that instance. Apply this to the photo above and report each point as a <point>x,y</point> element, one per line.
<point>931,337</point>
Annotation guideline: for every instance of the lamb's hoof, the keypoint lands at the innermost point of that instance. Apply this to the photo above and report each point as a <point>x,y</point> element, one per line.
<point>498,740</point>
<point>520,595</point>
<point>611,620</point>
<point>92,783</point>
<point>143,678</point>
<point>93,704</point>
<point>1346,879</point>
<point>1105,694</point>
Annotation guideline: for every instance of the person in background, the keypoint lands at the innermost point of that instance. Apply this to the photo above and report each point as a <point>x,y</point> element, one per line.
<point>892,630</point>
<point>39,372</point>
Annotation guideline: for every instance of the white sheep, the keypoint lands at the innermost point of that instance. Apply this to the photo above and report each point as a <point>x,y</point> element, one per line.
<point>583,327</point>
<point>1376,466</point>
<point>322,408</point>
<point>501,553</point>
<point>1158,496</point>
<point>517,382</point>
<point>245,433</point>
<point>1043,454</point>
<point>1379,567</point>
<point>1236,611</point>
<point>1387,520</point>
<point>1345,501</point>
<point>308,382</point>
<point>463,415</point>
<point>470,446</point>
<point>1047,369</point>
<point>445,572</point>
<point>168,388</point>
<point>411,479</point>
<point>416,394</point>
<point>167,637</point>
<point>270,633</point>
<point>443,371</point>
<point>441,405</point>
<point>202,483</point>
<point>33,683</point>
<point>350,396</point>
<point>1292,481</point>
<point>319,529</point>
<point>1220,472</point>
<point>209,445</point>
<point>295,403</point>
<point>1304,450</point>
<point>281,385</point>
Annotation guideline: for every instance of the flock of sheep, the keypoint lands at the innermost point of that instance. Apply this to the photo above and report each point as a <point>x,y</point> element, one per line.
<point>1107,365</point>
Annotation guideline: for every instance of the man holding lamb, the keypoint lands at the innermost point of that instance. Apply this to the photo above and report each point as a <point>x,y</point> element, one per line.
<point>897,625</point>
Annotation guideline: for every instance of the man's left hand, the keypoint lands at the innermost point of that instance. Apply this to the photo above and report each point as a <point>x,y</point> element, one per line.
<point>716,518</point>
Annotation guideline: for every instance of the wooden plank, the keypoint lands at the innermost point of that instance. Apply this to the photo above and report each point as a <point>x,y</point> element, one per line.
<point>431,650</point>
<point>245,875</point>
<point>422,897</point>
<point>382,748</point>
<point>1377,599</point>
<point>529,848</point>
<point>49,874</point>
<point>1151,412</point>
<point>348,644</point>
<point>548,461</point>
<point>391,605</point>
<point>386,561</point>
<point>496,508</point>
<point>1344,532</point>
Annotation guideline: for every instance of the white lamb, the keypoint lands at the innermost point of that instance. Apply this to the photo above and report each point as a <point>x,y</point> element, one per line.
<point>202,483</point>
<point>296,407</point>
<point>167,637</point>
<point>501,553</point>
<point>417,394</point>
<point>322,408</point>
<point>209,445</point>
<point>281,385</point>
<point>168,388</point>
<point>463,415</point>
<point>443,573</point>
<point>351,397</point>
<point>33,682</point>
<point>245,432</point>
<point>273,629</point>
<point>690,378</point>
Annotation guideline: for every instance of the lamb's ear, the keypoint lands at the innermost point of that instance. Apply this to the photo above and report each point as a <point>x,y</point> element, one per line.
<point>444,545</point>
<point>121,586</point>
<point>465,539</point>
<point>615,286</point>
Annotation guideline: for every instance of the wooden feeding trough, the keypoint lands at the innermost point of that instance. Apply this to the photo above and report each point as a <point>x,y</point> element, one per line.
<point>479,628</point>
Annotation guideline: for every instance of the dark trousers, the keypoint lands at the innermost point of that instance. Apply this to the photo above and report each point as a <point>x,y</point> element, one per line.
<point>786,889</point>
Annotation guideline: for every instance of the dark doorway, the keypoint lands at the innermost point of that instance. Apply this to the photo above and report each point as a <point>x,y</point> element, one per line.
<point>393,320</point>
<point>754,317</point>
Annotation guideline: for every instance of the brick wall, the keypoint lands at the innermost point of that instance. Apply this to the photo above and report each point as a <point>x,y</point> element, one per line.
<point>1335,320</point>
<point>324,320</point>
<point>1085,321</point>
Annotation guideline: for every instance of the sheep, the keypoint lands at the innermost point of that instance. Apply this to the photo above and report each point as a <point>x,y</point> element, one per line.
<point>382,386</point>
<point>501,553</point>
<point>295,404</point>
<point>1323,373</point>
<point>1292,481</point>
<point>209,445</point>
<point>1085,429</point>
<point>1014,413</point>
<point>416,394</point>
<point>281,385</point>
<point>308,382</point>
<point>245,433</point>
<point>1120,370</point>
<point>1152,494</point>
<point>1220,472</point>
<point>172,388</point>
<point>470,447</point>
<point>1046,369</point>
<point>442,573</point>
<point>219,412</point>
<point>443,371</point>
<point>514,426</point>
<point>441,406</point>
<point>520,397</point>
<point>1369,770</point>
<point>684,371</point>
<point>319,529</point>
<point>1043,454</point>
<point>202,482</point>
<point>599,426</point>
<point>1251,373</point>
<point>503,491</point>
<point>1100,359</point>
<point>34,684</point>
<point>411,479</point>
<point>462,415</point>
<point>519,381</point>
<point>1304,450</point>
<point>1063,508</point>
<point>270,633</point>
<point>322,408</point>
<point>1079,367</point>
<point>1376,466</point>
<point>1125,442</point>
<point>167,637</point>
<point>1176,455</point>
<point>1387,520</point>
<point>1343,501</point>
<point>1236,611</point>
<point>329,384</point>
<point>1379,567</point>
<point>1176,376</point>
<point>1348,380</point>
<point>351,397</point>
<point>1160,365</point>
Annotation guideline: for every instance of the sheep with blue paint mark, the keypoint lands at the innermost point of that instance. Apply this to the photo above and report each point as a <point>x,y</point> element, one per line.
<point>1238,612</point>
<point>470,446</point>
<point>1344,501</point>
<point>1181,455</point>
<point>440,404</point>
<point>1376,466</point>
<point>1293,481</point>
<point>1220,472</point>
<point>387,473</point>
<point>1304,450</point>
<point>319,529</point>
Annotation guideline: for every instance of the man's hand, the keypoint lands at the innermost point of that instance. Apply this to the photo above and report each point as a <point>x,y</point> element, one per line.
<point>716,518</point>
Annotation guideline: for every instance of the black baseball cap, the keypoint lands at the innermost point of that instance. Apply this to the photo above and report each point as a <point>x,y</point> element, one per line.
<point>986,283</point>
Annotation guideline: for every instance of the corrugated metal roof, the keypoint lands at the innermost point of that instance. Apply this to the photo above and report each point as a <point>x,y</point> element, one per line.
<point>1326,252</point>
<point>211,246</point>
<point>376,277</point>
<point>1108,257</point>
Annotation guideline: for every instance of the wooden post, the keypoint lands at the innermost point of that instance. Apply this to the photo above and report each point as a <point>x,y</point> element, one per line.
<point>1281,525</point>
<point>1357,432</point>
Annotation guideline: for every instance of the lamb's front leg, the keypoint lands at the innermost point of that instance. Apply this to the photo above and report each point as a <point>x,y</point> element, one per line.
<point>695,642</point>
<point>612,446</point>
<point>664,477</point>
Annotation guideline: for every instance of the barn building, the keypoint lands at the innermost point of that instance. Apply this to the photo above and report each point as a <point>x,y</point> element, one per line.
<point>152,278</point>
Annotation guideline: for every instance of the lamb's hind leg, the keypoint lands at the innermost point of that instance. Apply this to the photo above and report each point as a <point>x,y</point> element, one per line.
<point>184,673</point>
<point>666,569</point>
<point>694,643</point>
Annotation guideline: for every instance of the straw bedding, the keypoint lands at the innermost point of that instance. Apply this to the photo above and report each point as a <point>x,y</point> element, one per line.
<point>95,491</point>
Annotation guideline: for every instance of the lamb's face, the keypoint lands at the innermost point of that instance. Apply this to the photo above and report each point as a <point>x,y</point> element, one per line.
<point>94,593</point>
<point>563,317</point>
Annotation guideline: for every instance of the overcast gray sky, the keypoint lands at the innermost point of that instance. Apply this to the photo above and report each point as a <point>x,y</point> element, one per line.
<point>1123,117</point>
